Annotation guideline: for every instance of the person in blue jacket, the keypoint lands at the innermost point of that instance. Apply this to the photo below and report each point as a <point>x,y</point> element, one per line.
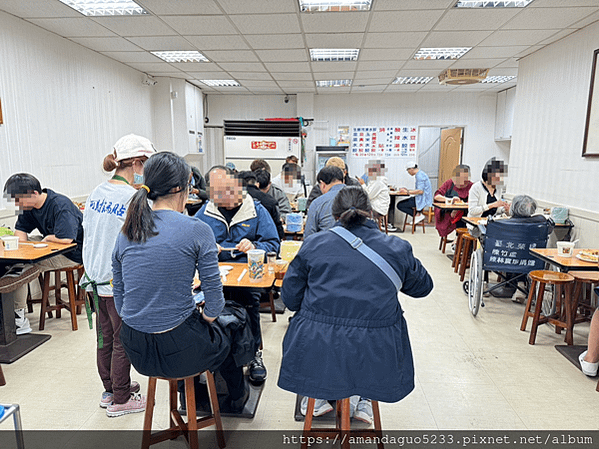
<point>349,337</point>
<point>239,224</point>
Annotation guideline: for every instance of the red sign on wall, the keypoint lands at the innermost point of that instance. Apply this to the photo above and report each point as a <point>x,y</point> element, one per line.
<point>264,145</point>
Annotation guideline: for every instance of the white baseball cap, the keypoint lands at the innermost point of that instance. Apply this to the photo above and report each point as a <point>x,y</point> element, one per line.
<point>411,164</point>
<point>131,146</point>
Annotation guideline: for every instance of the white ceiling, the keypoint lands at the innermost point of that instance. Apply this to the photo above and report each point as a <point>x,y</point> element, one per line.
<point>263,44</point>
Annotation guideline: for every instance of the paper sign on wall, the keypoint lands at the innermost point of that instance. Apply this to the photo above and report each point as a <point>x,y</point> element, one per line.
<point>391,141</point>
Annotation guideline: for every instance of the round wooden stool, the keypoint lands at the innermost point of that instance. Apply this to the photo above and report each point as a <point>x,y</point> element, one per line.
<point>582,280</point>
<point>459,232</point>
<point>342,427</point>
<point>76,294</point>
<point>468,245</point>
<point>178,427</point>
<point>563,284</point>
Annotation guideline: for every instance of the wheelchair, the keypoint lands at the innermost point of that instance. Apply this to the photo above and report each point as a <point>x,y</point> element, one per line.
<point>504,249</point>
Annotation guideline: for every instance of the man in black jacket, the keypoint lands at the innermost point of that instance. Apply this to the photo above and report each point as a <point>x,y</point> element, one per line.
<point>250,182</point>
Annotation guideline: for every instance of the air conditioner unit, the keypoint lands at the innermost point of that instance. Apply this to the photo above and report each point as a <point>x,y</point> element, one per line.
<point>462,76</point>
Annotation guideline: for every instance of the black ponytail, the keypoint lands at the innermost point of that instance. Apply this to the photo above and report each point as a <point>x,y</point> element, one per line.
<point>164,174</point>
<point>351,206</point>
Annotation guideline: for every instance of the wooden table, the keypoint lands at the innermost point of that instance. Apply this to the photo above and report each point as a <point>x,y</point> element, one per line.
<point>21,345</point>
<point>443,206</point>
<point>294,235</point>
<point>564,264</point>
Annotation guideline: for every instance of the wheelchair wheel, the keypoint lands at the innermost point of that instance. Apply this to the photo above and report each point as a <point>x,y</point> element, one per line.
<point>475,281</point>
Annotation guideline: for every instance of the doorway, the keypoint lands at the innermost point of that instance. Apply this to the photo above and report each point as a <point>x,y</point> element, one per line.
<point>439,151</point>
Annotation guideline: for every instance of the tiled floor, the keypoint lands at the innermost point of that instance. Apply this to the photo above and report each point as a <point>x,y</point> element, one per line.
<point>471,373</point>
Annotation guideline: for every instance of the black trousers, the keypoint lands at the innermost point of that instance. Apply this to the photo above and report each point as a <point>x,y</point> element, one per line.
<point>406,206</point>
<point>249,298</point>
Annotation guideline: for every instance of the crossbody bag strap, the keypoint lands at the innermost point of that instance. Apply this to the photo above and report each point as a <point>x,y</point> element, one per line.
<point>357,244</point>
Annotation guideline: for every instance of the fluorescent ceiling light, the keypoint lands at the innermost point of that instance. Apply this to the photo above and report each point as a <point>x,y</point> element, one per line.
<point>412,80</point>
<point>334,5</point>
<point>333,83</point>
<point>220,83</point>
<point>498,79</point>
<point>493,4</point>
<point>180,56</point>
<point>441,53</point>
<point>334,54</point>
<point>106,7</point>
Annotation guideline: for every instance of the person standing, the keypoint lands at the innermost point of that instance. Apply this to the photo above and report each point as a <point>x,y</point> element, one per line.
<point>423,191</point>
<point>103,218</point>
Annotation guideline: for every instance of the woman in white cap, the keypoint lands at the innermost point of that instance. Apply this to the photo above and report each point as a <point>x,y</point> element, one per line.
<point>103,218</point>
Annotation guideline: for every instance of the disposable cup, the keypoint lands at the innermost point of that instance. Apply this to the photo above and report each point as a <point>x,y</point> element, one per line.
<point>271,257</point>
<point>564,249</point>
<point>256,264</point>
<point>448,201</point>
<point>11,242</point>
<point>280,268</point>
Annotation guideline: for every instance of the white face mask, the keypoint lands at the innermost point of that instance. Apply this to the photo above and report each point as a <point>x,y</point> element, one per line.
<point>138,179</point>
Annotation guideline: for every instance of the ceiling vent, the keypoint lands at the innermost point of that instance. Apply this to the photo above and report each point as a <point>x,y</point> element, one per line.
<point>458,77</point>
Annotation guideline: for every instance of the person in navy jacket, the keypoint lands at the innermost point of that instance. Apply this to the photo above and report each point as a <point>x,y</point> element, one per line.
<point>240,222</point>
<point>349,336</point>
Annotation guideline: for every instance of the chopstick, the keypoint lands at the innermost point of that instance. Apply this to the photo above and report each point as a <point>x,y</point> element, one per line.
<point>242,275</point>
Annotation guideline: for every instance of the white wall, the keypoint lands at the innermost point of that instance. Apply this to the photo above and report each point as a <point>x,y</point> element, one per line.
<point>546,152</point>
<point>64,107</point>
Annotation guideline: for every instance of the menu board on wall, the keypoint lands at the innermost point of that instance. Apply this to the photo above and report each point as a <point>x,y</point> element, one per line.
<point>390,141</point>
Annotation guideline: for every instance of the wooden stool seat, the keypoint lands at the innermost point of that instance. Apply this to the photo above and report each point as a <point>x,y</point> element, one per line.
<point>76,294</point>
<point>565,310</point>
<point>584,280</point>
<point>342,428</point>
<point>178,427</point>
<point>585,276</point>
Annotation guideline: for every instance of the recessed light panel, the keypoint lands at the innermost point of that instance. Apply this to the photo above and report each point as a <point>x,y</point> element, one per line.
<point>220,83</point>
<point>333,83</point>
<point>441,53</point>
<point>498,79</point>
<point>106,8</point>
<point>334,5</point>
<point>334,54</point>
<point>412,80</point>
<point>180,56</point>
<point>493,4</point>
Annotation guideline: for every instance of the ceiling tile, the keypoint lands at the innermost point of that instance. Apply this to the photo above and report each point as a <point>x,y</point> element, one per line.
<point>333,66</point>
<point>200,25</point>
<point>132,56</point>
<point>288,66</point>
<point>150,67</point>
<point>463,19</point>
<point>330,22</point>
<point>250,7</point>
<point>406,88</point>
<point>365,74</point>
<point>265,90</point>
<point>386,54</point>
<point>516,37</point>
<point>251,75</point>
<point>135,25</point>
<point>290,76</point>
<point>412,72</point>
<point>259,83</point>
<point>333,76</point>
<point>395,5</point>
<point>209,75</point>
<point>75,27</point>
<point>181,7</point>
<point>219,56</point>
<point>177,74</point>
<point>476,63</point>
<point>554,3</point>
<point>529,50</point>
<point>548,18</point>
<point>434,86</point>
<point>333,90</point>
<point>196,66</point>
<point>557,36</point>
<point>381,65</point>
<point>372,81</point>
<point>510,63</point>
<point>106,43</point>
<point>267,24</point>
<point>225,42</point>
<point>269,41</point>
<point>289,84</point>
<point>334,40</point>
<point>586,21</point>
<point>37,9</point>
<point>453,39</point>
<point>494,52</point>
<point>283,55</point>
<point>243,66</point>
<point>356,89</point>
<point>404,20</point>
<point>427,65</point>
<point>503,72</point>
<point>158,43</point>
<point>394,40</point>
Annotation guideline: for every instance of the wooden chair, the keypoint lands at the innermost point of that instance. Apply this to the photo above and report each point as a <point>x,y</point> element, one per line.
<point>563,319</point>
<point>178,427</point>
<point>342,428</point>
<point>383,221</point>
<point>430,214</point>
<point>76,294</point>
<point>468,245</point>
<point>31,300</point>
<point>413,224</point>
<point>460,232</point>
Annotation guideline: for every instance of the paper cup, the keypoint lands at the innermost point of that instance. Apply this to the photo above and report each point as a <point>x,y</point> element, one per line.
<point>289,249</point>
<point>564,249</point>
<point>256,264</point>
<point>11,242</point>
<point>448,201</point>
<point>280,268</point>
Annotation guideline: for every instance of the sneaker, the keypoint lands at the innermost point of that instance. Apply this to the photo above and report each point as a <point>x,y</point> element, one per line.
<point>391,228</point>
<point>418,219</point>
<point>22,322</point>
<point>364,411</point>
<point>321,406</point>
<point>135,404</point>
<point>108,397</point>
<point>257,369</point>
<point>588,368</point>
<point>353,403</point>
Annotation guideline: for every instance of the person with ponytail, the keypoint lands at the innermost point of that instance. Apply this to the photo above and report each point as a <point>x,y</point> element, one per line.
<point>103,218</point>
<point>154,262</point>
<point>349,337</point>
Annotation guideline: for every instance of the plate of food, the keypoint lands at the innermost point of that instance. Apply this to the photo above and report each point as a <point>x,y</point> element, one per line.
<point>589,255</point>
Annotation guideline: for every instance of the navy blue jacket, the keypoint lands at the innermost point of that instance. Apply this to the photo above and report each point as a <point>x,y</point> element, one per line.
<point>349,336</point>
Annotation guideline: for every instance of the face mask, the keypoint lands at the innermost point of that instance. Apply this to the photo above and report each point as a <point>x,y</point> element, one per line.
<point>138,179</point>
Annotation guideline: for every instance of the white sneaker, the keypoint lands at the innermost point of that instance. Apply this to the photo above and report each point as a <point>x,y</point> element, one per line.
<point>321,406</point>
<point>364,411</point>
<point>22,322</point>
<point>391,228</point>
<point>353,403</point>
<point>588,368</point>
<point>418,219</point>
